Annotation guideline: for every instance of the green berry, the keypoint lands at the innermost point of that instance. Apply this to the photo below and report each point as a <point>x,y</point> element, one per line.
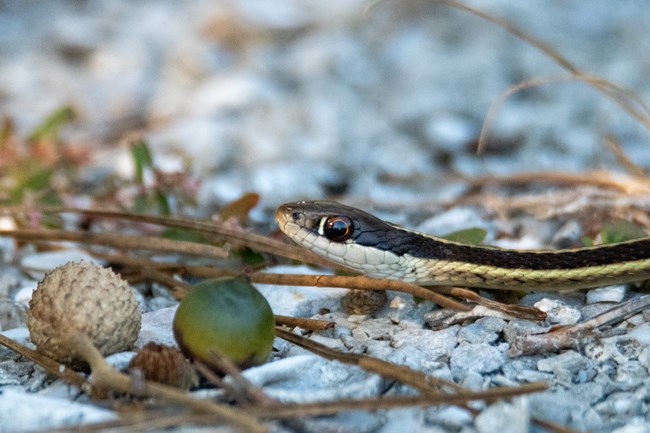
<point>226,316</point>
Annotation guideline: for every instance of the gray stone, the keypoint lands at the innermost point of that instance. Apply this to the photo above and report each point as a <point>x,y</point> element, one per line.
<point>18,414</point>
<point>569,360</point>
<point>435,344</point>
<point>12,315</point>
<point>375,329</point>
<point>450,417</point>
<point>607,294</point>
<point>484,330</point>
<point>504,417</point>
<point>475,358</point>
<point>634,425</point>
<point>558,312</point>
<point>620,404</point>
<point>518,327</point>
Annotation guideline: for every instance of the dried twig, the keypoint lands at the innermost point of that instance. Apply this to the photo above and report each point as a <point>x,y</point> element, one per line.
<point>105,377</point>
<point>119,241</point>
<point>518,311</point>
<point>359,283</point>
<point>254,241</point>
<point>624,98</point>
<point>629,184</point>
<point>303,323</point>
<point>424,383</point>
<point>53,367</point>
<point>568,337</point>
<point>615,147</point>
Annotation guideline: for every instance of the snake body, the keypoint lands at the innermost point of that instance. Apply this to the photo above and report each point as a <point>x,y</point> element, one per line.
<point>364,243</point>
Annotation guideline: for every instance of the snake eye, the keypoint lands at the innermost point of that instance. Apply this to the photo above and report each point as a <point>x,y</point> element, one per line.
<point>338,228</point>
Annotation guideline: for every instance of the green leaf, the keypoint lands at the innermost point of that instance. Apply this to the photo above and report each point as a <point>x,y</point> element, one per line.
<point>163,203</point>
<point>620,231</point>
<point>30,176</point>
<point>141,158</point>
<point>587,241</point>
<point>51,126</point>
<point>181,234</point>
<point>470,236</point>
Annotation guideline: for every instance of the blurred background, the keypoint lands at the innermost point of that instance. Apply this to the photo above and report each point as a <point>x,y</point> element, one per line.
<point>380,102</point>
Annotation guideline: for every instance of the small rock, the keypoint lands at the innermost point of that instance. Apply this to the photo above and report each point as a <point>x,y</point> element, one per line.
<point>17,412</point>
<point>484,330</point>
<point>476,358</point>
<point>403,419</point>
<point>569,360</point>
<point>620,403</point>
<point>557,312</point>
<point>607,294</point>
<point>435,344</point>
<point>12,315</point>
<point>632,373</point>
<point>518,328</point>
<point>156,326</point>
<point>533,376</point>
<point>319,380</point>
<point>450,417</point>
<point>620,348</point>
<point>376,329</point>
<point>504,417</point>
<point>635,425</point>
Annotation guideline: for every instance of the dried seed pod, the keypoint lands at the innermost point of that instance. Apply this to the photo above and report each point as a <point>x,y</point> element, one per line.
<point>164,364</point>
<point>85,297</point>
<point>226,316</point>
<point>363,301</point>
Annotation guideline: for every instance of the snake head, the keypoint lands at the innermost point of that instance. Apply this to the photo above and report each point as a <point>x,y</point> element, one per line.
<point>327,219</point>
<point>340,233</point>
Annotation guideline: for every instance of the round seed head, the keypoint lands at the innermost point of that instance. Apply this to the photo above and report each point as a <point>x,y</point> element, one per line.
<point>85,297</point>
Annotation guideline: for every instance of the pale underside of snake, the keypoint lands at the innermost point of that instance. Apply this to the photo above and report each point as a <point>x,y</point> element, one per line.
<point>366,244</point>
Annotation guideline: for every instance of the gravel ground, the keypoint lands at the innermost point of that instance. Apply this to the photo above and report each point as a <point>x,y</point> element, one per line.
<point>375,104</point>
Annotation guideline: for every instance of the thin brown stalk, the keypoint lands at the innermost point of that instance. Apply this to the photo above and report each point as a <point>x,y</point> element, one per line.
<point>303,323</point>
<point>600,178</point>
<point>359,283</point>
<point>105,377</point>
<point>254,241</point>
<point>624,98</point>
<point>390,402</point>
<point>239,387</point>
<point>615,147</point>
<point>424,383</point>
<point>518,311</point>
<point>150,243</point>
<point>52,367</point>
<point>568,337</point>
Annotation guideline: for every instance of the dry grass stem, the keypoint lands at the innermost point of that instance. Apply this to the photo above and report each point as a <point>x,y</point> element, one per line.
<point>615,147</point>
<point>105,377</point>
<point>628,184</point>
<point>50,365</point>
<point>303,323</point>
<point>390,402</point>
<point>254,241</point>
<point>627,100</point>
<point>516,311</point>
<point>359,283</point>
<point>118,241</point>
<point>568,337</point>
<point>424,383</point>
<point>237,386</point>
